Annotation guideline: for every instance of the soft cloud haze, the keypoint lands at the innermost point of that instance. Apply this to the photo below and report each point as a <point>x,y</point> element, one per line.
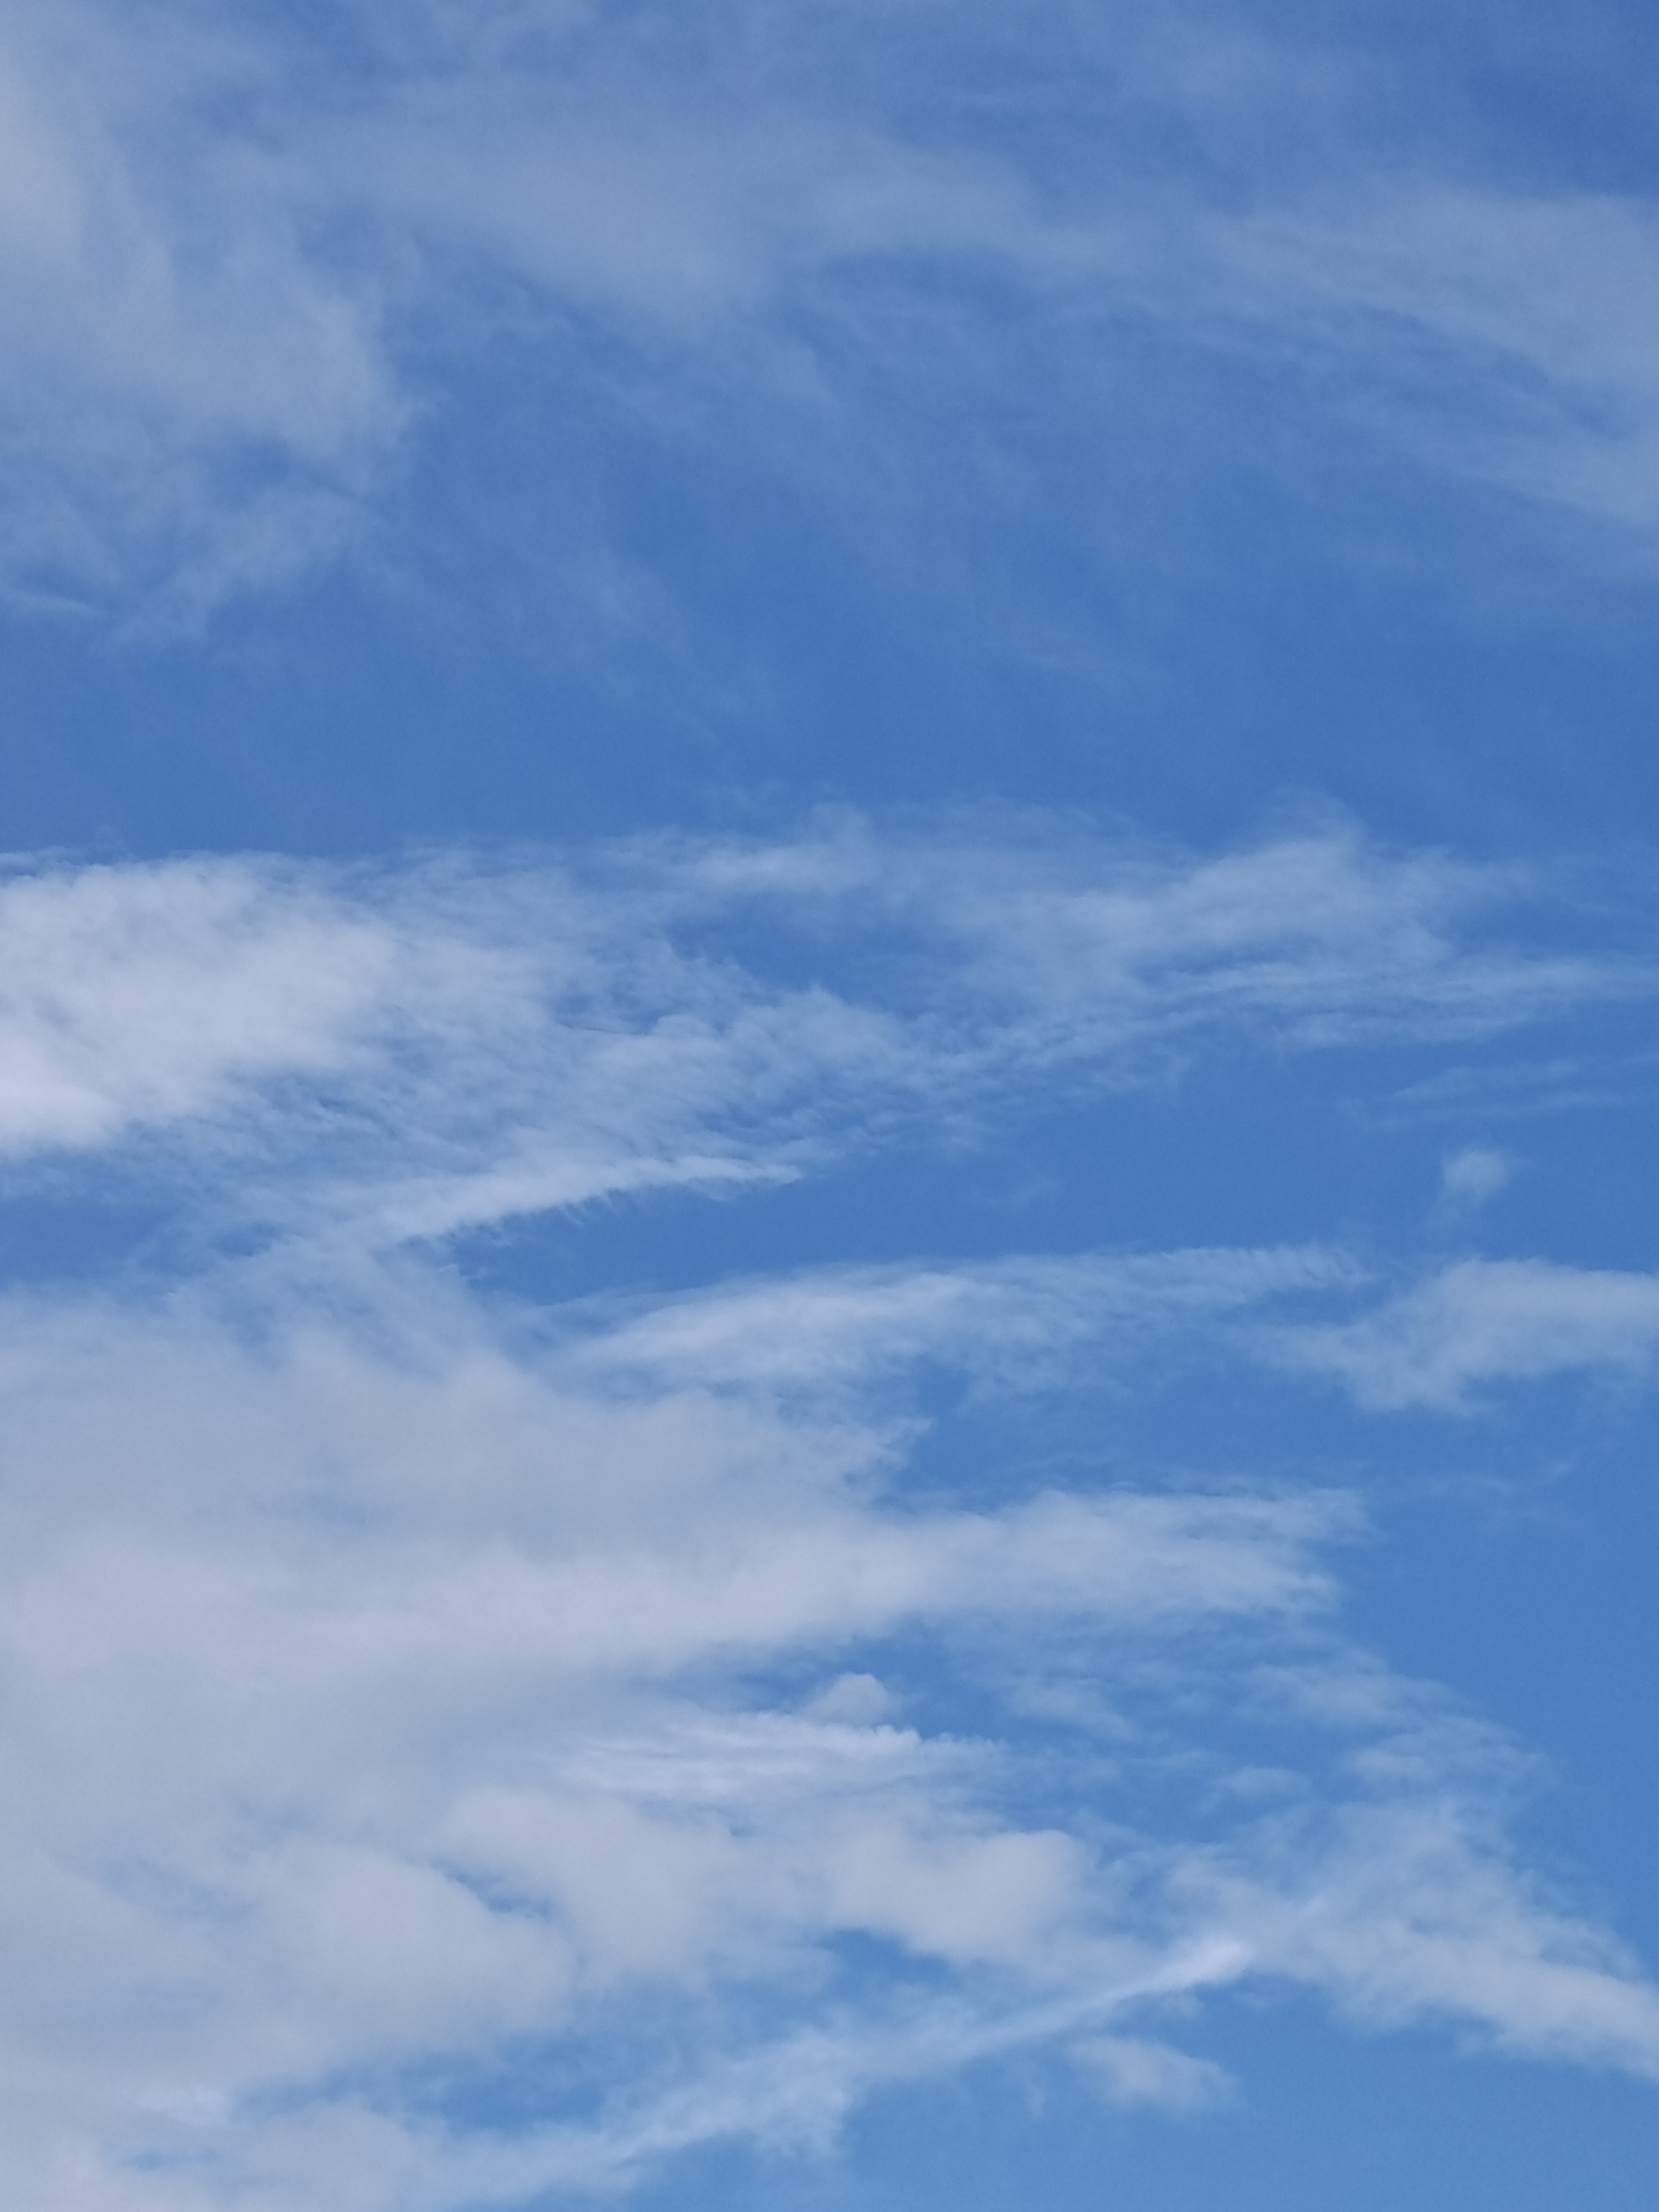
<point>827,972</point>
<point>1488,1321</point>
<point>243,252</point>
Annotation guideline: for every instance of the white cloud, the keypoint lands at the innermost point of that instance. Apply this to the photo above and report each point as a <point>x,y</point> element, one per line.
<point>1310,934</point>
<point>489,1044</point>
<point>449,1045</point>
<point>1511,333</point>
<point>138,996</point>
<point>1414,1914</point>
<point>1018,1324</point>
<point>1468,1178</point>
<point>344,1685</point>
<point>399,1687</point>
<point>853,1697</point>
<point>1131,2069</point>
<point>1484,1322</point>
<point>379,1699</point>
<point>238,258</point>
<point>191,403</point>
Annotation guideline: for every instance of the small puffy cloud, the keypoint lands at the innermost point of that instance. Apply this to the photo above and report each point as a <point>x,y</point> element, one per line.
<point>856,1699</point>
<point>1132,2070</point>
<point>1470,1177</point>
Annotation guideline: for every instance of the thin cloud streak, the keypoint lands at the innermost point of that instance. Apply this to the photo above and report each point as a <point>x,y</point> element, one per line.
<point>1448,1340</point>
<point>1018,1324</point>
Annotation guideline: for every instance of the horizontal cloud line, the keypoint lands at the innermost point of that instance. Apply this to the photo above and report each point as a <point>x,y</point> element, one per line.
<point>418,1050</point>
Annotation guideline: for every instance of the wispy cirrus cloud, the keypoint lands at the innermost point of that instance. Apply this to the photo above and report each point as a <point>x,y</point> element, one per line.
<point>1018,1324</point>
<point>407,1688</point>
<point>237,260</point>
<point>417,1049</point>
<point>193,404</point>
<point>1451,1338</point>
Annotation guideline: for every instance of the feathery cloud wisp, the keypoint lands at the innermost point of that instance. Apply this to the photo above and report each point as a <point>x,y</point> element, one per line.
<point>225,251</point>
<point>1480,1322</point>
<point>403,1685</point>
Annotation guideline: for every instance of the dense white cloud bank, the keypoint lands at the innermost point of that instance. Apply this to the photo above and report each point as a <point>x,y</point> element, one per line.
<point>227,239</point>
<point>430,1720</point>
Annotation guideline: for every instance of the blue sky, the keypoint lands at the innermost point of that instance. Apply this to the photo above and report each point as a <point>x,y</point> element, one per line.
<point>827,992</point>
